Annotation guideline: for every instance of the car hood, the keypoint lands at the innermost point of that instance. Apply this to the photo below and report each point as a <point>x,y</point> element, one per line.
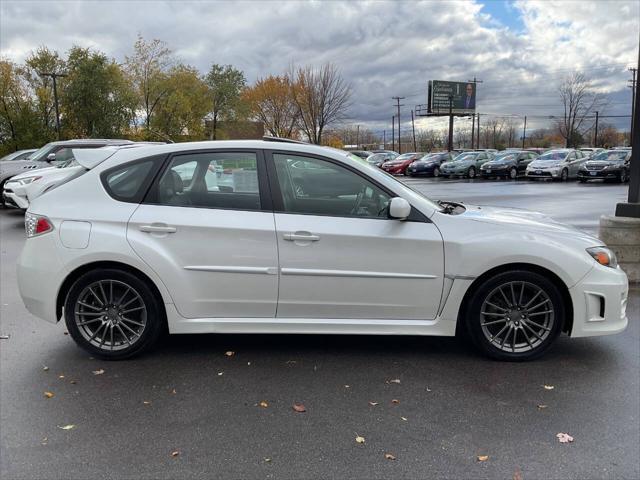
<point>15,165</point>
<point>457,163</point>
<point>31,173</point>
<point>525,220</point>
<point>602,163</point>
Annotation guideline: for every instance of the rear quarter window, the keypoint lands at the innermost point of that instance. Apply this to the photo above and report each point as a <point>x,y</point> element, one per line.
<point>130,181</point>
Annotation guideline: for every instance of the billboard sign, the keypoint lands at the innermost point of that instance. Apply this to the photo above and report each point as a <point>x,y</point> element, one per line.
<point>462,95</point>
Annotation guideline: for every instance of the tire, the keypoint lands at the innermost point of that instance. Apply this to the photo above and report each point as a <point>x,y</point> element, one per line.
<point>471,173</point>
<point>564,176</point>
<point>513,173</point>
<point>1,197</point>
<point>436,172</point>
<point>533,336</point>
<point>105,294</point>
<point>622,178</point>
<point>406,172</point>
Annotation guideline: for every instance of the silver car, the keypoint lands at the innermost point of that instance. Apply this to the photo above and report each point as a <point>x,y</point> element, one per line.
<point>559,164</point>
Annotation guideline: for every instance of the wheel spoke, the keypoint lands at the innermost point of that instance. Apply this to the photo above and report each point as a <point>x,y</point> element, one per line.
<point>493,313</point>
<point>112,337</point>
<point>532,299</point>
<point>513,344</point>
<point>497,335</point>
<point>513,294</point>
<point>130,329</point>
<point>134,309</point>
<point>521,293</point>
<point>89,306</point>
<point>506,335</point>
<point>538,305</point>
<point>111,291</point>
<point>526,336</point>
<point>129,302</point>
<point>124,336</point>
<point>96,296</point>
<point>529,322</point>
<point>104,295</point>
<point>125,319</point>
<point>493,322</point>
<point>532,331</point>
<point>123,295</point>
<point>90,314</point>
<point>93,320</point>
<point>496,306</point>
<point>540,313</point>
<point>504,296</point>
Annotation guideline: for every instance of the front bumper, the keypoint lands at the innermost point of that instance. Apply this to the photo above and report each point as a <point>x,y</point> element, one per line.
<point>598,174</point>
<point>421,170</point>
<point>599,302</point>
<point>11,197</point>
<point>494,172</point>
<point>543,173</point>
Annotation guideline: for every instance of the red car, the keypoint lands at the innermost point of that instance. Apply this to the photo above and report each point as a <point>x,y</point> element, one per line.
<point>400,164</point>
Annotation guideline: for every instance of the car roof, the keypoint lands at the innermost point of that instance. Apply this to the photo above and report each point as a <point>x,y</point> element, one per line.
<point>92,141</point>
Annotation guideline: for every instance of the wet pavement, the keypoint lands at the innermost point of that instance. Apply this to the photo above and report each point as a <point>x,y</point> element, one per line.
<point>189,399</point>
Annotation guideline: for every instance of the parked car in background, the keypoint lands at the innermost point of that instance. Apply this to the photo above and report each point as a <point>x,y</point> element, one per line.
<point>379,158</point>
<point>52,154</point>
<point>429,164</point>
<point>490,150</point>
<point>607,165</point>
<point>19,155</point>
<point>20,190</point>
<point>537,150</point>
<point>147,251</point>
<point>360,153</point>
<point>400,164</point>
<point>590,151</point>
<point>466,164</point>
<point>510,164</point>
<point>559,164</point>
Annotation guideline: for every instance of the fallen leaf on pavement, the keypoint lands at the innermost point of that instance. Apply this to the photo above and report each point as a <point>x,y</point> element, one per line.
<point>395,400</point>
<point>48,394</point>
<point>263,404</point>
<point>389,456</point>
<point>373,404</point>
<point>43,441</point>
<point>542,406</point>
<point>517,475</point>
<point>347,386</point>
<point>359,439</point>
<point>45,368</point>
<point>4,337</point>
<point>267,460</point>
<point>173,392</point>
<point>60,376</point>
<point>175,453</point>
<point>98,372</point>
<point>146,402</point>
<point>395,380</point>
<point>299,407</point>
<point>404,418</point>
<point>229,353</point>
<point>220,374</point>
<point>66,427</point>
<point>564,438</point>
<point>483,458</point>
<point>549,387</point>
<point>73,382</point>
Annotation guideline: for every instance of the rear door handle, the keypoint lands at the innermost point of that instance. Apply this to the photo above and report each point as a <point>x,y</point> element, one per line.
<point>157,228</point>
<point>301,237</point>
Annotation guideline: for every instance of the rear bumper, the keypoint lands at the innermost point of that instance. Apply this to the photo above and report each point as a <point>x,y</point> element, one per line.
<point>599,303</point>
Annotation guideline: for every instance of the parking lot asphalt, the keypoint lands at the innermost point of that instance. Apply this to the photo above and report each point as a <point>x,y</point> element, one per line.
<point>189,410</point>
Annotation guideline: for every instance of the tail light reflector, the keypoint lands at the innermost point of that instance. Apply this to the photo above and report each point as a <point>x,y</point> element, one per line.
<point>36,225</point>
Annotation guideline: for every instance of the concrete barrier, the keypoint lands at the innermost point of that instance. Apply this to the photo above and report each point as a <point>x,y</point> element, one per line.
<point>622,235</point>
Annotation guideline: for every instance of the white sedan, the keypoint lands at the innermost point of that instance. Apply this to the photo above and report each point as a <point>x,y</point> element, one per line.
<point>300,239</point>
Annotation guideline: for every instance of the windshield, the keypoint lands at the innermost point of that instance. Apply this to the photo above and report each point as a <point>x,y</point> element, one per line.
<point>611,156</point>
<point>552,156</point>
<point>42,153</point>
<point>430,156</point>
<point>466,156</point>
<point>504,157</point>
<point>376,157</point>
<point>405,156</point>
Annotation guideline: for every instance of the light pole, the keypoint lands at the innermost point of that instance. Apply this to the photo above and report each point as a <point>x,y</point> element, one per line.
<point>54,76</point>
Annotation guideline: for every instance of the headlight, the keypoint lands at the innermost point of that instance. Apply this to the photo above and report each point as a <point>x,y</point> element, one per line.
<point>603,256</point>
<point>27,180</point>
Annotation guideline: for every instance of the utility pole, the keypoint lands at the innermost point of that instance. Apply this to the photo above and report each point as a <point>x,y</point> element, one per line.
<point>473,128</point>
<point>633,71</point>
<point>475,82</point>
<point>450,142</point>
<point>358,135</point>
<point>384,139</point>
<point>413,127</point>
<point>524,131</point>
<point>54,76</point>
<point>478,132</point>
<point>393,133</point>
<point>397,99</point>
<point>595,136</point>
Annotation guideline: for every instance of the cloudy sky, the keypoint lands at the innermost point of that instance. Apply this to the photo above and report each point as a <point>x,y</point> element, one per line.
<point>520,49</point>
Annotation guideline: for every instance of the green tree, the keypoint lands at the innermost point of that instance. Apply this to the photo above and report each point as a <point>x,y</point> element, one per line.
<point>182,111</point>
<point>147,69</point>
<point>97,100</point>
<point>226,84</point>
<point>17,113</point>
<point>42,61</point>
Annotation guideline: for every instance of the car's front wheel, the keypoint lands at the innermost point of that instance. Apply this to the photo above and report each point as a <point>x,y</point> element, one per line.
<point>515,316</point>
<point>436,171</point>
<point>471,173</point>
<point>513,173</point>
<point>113,314</point>
<point>622,178</point>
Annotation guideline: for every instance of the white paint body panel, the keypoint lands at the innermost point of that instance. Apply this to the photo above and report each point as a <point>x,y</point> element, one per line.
<point>232,271</point>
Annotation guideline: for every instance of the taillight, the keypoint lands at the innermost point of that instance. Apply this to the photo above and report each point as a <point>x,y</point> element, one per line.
<point>35,225</point>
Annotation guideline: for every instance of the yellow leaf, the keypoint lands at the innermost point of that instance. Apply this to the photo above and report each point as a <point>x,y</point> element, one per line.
<point>389,456</point>
<point>483,458</point>
<point>175,453</point>
<point>263,404</point>
<point>267,460</point>
<point>549,387</point>
<point>48,394</point>
<point>396,401</point>
<point>542,406</point>
<point>146,402</point>
<point>404,418</point>
<point>359,439</point>
<point>60,376</point>
<point>67,427</point>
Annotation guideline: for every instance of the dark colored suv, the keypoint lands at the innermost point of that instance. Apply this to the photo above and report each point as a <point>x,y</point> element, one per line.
<point>51,155</point>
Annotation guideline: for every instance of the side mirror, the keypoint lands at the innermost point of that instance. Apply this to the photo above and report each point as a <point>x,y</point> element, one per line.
<point>399,208</point>
<point>51,157</point>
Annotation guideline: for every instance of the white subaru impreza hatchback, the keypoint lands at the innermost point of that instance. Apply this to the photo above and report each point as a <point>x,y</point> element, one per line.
<point>282,237</point>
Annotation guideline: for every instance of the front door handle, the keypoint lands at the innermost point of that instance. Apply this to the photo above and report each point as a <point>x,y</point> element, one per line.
<point>301,237</point>
<point>157,228</point>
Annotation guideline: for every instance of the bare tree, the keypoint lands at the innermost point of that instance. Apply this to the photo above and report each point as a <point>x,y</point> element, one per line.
<point>322,98</point>
<point>579,101</point>
<point>429,140</point>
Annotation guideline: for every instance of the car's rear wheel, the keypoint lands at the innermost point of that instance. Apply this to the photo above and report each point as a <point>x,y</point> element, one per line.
<point>436,171</point>
<point>515,316</point>
<point>513,173</point>
<point>471,173</point>
<point>564,176</point>
<point>1,197</point>
<point>622,178</point>
<point>113,314</point>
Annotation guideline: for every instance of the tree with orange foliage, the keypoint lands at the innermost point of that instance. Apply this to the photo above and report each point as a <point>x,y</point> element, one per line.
<point>270,102</point>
